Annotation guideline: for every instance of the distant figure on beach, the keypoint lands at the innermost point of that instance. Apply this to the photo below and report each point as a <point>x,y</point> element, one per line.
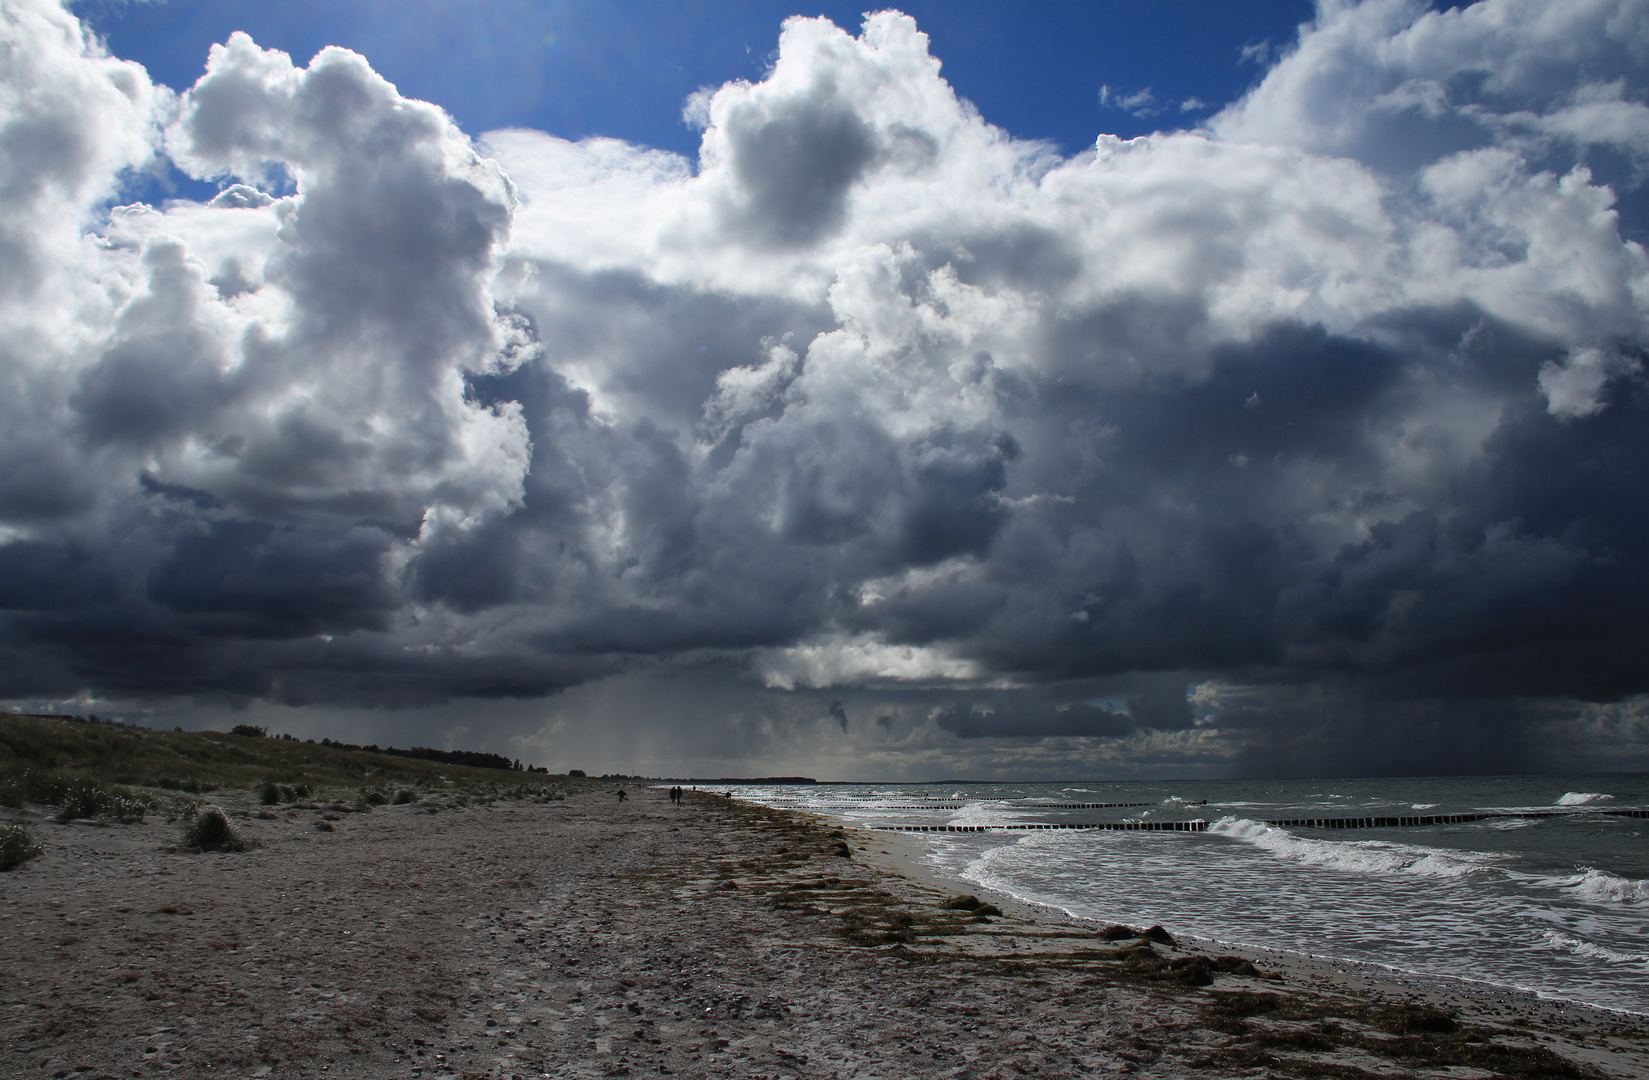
<point>675,795</point>
<point>621,795</point>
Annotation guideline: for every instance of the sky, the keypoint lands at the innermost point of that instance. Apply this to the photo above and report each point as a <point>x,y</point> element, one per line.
<point>1060,72</point>
<point>977,390</point>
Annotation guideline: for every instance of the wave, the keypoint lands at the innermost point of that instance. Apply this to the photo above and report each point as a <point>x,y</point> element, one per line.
<point>1581,798</point>
<point>1358,856</point>
<point>1558,942</point>
<point>1507,824</point>
<point>1601,886</point>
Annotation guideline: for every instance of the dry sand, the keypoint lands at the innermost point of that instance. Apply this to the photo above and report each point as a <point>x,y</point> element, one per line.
<point>587,938</point>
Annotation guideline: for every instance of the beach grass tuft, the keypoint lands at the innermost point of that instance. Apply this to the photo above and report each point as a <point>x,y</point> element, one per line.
<point>16,846</point>
<point>211,831</point>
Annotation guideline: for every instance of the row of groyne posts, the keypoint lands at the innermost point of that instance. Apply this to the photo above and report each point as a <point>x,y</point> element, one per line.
<point>1398,822</point>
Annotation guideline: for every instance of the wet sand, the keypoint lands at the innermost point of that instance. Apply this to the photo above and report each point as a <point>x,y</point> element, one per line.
<point>587,938</point>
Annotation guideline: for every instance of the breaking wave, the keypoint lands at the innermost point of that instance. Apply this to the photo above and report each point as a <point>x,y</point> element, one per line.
<point>1601,886</point>
<point>1581,798</point>
<point>1358,856</point>
<point>1564,943</point>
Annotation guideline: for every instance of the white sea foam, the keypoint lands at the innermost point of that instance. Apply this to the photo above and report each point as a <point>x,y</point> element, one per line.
<point>1564,943</point>
<point>1423,806</point>
<point>1600,886</point>
<point>1581,798</point>
<point>1505,824</point>
<point>1359,856</point>
<point>981,813</point>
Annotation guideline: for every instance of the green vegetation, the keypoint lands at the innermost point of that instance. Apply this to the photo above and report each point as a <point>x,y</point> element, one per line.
<point>90,799</point>
<point>211,831</point>
<point>92,768</point>
<point>16,846</point>
<point>76,796</point>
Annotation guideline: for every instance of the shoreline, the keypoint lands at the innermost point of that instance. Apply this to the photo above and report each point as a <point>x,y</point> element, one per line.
<point>584,938</point>
<point>905,854</point>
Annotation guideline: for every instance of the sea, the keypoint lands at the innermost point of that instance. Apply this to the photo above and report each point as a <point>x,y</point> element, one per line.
<point>1537,884</point>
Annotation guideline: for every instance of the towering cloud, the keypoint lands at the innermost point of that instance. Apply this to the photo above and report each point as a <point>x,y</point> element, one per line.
<point>1333,409</point>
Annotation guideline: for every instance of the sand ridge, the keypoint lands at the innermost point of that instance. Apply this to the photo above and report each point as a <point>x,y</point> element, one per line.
<point>589,938</point>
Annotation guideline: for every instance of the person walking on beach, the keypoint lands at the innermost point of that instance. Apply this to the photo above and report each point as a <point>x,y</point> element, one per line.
<point>675,796</point>
<point>621,795</point>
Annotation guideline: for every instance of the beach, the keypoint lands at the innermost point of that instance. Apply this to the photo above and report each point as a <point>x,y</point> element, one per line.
<point>584,937</point>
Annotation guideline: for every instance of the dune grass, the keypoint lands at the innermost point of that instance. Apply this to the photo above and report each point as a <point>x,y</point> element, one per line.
<point>16,846</point>
<point>211,831</point>
<point>91,768</point>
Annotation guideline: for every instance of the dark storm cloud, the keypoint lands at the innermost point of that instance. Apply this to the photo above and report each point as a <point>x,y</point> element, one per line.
<point>1078,720</point>
<point>1139,703</point>
<point>1341,731</point>
<point>49,577</point>
<point>1214,443</point>
<point>253,580</point>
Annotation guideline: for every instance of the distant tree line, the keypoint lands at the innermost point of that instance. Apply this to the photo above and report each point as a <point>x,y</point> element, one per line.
<point>473,758</point>
<point>705,780</point>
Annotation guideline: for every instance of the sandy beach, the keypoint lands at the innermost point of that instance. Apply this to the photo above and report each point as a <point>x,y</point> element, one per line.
<point>588,938</point>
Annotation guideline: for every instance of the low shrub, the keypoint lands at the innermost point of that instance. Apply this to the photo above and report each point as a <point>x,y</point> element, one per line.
<point>211,831</point>
<point>32,786</point>
<point>249,731</point>
<point>374,798</point>
<point>404,796</point>
<point>75,796</point>
<point>90,799</point>
<point>269,793</point>
<point>16,846</point>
